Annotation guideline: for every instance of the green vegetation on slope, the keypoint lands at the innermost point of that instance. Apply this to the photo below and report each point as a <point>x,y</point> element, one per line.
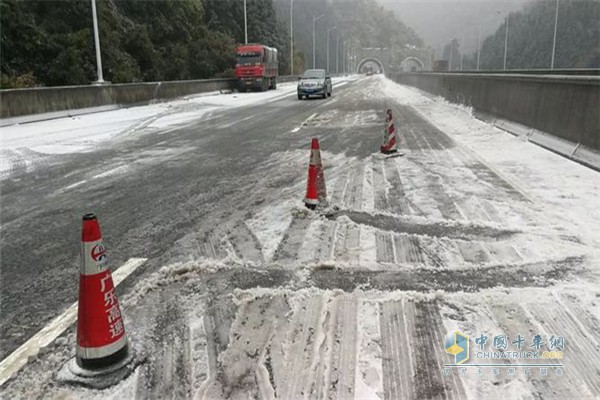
<point>530,37</point>
<point>50,42</point>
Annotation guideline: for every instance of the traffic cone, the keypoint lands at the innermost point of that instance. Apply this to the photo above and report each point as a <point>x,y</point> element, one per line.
<point>101,339</point>
<point>316,192</point>
<point>389,145</point>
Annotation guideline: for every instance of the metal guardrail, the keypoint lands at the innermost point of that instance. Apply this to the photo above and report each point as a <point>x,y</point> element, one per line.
<point>569,72</point>
<point>28,101</point>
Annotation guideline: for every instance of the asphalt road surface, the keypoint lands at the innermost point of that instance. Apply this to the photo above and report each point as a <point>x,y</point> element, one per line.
<point>246,293</point>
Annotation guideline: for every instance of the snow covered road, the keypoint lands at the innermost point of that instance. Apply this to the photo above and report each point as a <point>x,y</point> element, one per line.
<point>249,295</point>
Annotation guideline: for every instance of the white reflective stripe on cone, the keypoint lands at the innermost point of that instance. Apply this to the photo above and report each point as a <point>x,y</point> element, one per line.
<point>311,201</point>
<point>94,259</point>
<point>315,157</point>
<point>88,353</point>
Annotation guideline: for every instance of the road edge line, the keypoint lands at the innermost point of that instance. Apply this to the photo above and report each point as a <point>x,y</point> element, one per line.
<point>31,348</point>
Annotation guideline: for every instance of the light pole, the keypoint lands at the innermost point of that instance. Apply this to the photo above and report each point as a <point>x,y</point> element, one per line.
<point>478,45</point>
<point>328,30</point>
<point>245,24</point>
<point>344,56</point>
<point>554,41</point>
<point>337,53</point>
<point>451,51</point>
<point>506,38</point>
<point>462,51</point>
<point>97,44</point>
<point>291,37</point>
<point>314,28</point>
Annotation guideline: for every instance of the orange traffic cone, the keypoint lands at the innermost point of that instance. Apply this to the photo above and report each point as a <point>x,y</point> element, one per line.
<point>389,137</point>
<point>316,193</point>
<point>101,339</point>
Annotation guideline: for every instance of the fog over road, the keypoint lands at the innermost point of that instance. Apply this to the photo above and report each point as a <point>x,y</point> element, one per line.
<point>247,294</point>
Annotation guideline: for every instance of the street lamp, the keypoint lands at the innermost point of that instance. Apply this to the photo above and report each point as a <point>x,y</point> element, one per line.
<point>314,27</point>
<point>554,41</point>
<point>245,24</point>
<point>451,51</point>
<point>291,37</point>
<point>328,30</point>
<point>478,44</point>
<point>97,43</point>
<point>506,38</point>
<point>337,53</point>
<point>462,51</point>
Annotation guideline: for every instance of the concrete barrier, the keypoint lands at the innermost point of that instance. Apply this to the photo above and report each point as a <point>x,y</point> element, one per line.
<point>564,106</point>
<point>20,102</point>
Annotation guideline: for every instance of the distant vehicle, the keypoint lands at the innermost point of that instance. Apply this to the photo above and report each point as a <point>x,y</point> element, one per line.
<point>314,82</point>
<point>256,67</point>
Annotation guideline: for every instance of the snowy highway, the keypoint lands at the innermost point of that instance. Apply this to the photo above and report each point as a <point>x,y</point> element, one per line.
<point>247,294</point>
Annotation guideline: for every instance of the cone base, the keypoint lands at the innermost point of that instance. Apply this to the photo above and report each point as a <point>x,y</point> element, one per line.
<point>385,151</point>
<point>104,362</point>
<point>72,374</point>
<point>310,206</point>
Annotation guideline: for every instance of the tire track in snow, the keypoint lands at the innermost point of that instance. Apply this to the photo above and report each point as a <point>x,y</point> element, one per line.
<point>380,187</point>
<point>408,250</point>
<point>245,243</point>
<point>345,344</point>
<point>429,381</point>
<point>353,198</point>
<point>347,243</point>
<point>385,247</point>
<point>291,243</point>
<point>300,347</point>
<point>396,196</point>
<point>581,347</point>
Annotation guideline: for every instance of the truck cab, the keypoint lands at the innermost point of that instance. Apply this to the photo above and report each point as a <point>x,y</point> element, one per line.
<point>256,67</point>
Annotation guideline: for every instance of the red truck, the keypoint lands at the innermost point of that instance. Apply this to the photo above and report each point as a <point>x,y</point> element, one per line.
<point>256,67</point>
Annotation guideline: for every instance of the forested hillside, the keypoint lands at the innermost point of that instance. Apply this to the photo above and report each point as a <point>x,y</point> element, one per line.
<point>51,42</point>
<point>48,42</point>
<point>360,23</point>
<point>530,35</point>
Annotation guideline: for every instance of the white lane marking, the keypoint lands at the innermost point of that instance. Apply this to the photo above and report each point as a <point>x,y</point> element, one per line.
<point>75,185</point>
<point>14,362</point>
<point>113,171</point>
<point>304,123</point>
<point>307,120</point>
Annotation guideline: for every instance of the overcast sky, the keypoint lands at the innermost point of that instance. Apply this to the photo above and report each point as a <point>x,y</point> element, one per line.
<point>438,21</point>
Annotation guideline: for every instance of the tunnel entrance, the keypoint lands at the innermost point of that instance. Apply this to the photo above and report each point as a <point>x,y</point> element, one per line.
<point>370,64</point>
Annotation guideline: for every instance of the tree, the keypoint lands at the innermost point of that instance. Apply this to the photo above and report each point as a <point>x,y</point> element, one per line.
<point>531,34</point>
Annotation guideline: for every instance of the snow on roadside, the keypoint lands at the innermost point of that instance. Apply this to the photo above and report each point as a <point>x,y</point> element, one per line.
<point>562,189</point>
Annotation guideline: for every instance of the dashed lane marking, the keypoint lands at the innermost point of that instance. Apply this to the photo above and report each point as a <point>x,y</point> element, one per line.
<point>14,362</point>
<point>304,123</point>
<point>74,185</point>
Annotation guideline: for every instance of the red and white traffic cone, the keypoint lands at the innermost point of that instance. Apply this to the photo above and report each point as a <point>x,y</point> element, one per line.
<point>316,192</point>
<point>390,141</point>
<point>101,339</point>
